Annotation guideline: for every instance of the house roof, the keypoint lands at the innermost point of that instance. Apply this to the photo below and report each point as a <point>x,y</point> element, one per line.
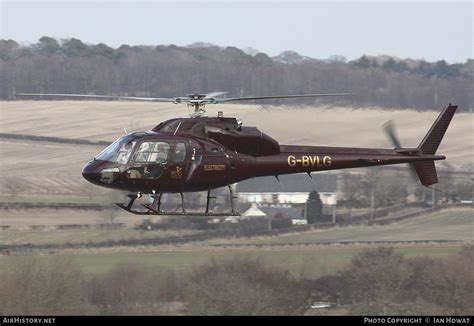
<point>290,183</point>
<point>253,211</point>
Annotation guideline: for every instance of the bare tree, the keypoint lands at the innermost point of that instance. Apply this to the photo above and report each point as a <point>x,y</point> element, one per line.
<point>451,283</point>
<point>42,285</point>
<point>243,287</point>
<point>377,279</point>
<point>134,289</point>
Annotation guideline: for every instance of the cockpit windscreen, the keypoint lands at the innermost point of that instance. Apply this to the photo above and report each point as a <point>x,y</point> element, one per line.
<point>119,151</point>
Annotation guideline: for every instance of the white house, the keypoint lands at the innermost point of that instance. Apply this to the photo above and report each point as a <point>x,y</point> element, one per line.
<point>288,190</point>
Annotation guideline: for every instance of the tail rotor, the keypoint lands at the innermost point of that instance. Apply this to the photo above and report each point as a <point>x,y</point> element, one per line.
<point>390,131</point>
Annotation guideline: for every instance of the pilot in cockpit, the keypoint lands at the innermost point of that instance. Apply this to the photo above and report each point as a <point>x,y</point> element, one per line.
<point>124,153</point>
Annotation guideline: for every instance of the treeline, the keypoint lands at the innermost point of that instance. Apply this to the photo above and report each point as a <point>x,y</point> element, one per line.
<point>71,66</point>
<point>376,282</point>
<point>428,69</point>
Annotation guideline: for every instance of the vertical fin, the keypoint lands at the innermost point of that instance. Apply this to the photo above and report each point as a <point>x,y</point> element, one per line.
<point>430,144</point>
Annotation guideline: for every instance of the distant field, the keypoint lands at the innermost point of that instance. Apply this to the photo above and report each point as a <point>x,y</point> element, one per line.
<point>51,172</point>
<point>15,237</point>
<point>312,261</point>
<point>301,254</point>
<point>102,120</point>
<point>456,224</point>
<point>51,168</point>
<point>23,218</point>
<point>451,224</point>
<point>55,169</point>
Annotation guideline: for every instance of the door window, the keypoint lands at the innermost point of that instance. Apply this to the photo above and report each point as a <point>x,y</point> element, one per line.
<point>179,153</point>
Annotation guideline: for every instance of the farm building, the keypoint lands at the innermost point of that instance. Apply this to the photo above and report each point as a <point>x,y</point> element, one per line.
<point>289,190</point>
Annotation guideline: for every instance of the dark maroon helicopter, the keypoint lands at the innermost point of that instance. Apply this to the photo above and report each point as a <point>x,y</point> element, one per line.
<point>202,153</point>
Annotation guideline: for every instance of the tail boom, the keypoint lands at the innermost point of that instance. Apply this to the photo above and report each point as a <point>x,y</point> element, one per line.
<point>312,159</point>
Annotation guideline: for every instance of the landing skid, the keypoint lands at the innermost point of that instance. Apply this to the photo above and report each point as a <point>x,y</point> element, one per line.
<point>155,207</point>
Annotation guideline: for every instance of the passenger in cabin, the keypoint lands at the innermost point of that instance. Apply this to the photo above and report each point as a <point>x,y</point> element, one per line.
<point>143,153</point>
<point>162,150</point>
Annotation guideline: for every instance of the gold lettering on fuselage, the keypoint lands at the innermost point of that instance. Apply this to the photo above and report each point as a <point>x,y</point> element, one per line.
<point>327,160</point>
<point>309,161</point>
<point>178,173</point>
<point>214,167</point>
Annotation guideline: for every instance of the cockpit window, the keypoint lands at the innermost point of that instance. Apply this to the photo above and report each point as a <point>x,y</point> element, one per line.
<point>152,152</point>
<point>124,152</point>
<point>119,151</point>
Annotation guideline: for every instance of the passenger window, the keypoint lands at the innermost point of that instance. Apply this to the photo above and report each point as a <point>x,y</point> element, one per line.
<point>152,152</point>
<point>179,153</point>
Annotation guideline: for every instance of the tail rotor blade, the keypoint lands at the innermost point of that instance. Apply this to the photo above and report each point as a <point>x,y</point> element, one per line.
<point>390,131</point>
<point>413,174</point>
<point>389,128</point>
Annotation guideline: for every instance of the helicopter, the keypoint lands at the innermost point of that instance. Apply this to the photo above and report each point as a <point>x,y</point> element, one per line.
<point>202,153</point>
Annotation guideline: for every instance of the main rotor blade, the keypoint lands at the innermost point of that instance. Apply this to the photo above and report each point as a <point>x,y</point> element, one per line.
<point>215,94</point>
<point>129,98</point>
<point>278,96</point>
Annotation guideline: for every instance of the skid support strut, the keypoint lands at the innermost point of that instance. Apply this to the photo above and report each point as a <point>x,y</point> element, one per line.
<point>156,205</point>
<point>183,203</point>
<point>232,197</point>
<point>128,207</point>
<point>209,197</point>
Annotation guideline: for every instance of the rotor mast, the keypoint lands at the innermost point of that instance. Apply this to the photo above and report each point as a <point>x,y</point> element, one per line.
<point>198,103</point>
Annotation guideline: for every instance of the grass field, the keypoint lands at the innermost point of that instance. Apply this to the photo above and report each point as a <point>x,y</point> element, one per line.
<point>311,261</point>
<point>451,224</point>
<point>303,263</point>
<point>21,237</point>
<point>298,253</point>
<point>22,219</point>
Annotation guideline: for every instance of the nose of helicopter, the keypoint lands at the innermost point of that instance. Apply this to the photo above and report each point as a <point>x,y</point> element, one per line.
<point>91,173</point>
